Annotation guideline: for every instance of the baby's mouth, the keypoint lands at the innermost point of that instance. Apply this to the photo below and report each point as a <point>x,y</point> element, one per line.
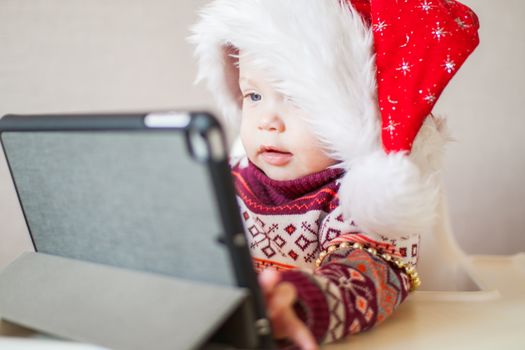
<point>275,156</point>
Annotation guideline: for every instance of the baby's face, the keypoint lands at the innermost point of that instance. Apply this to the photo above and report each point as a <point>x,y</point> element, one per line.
<point>274,132</point>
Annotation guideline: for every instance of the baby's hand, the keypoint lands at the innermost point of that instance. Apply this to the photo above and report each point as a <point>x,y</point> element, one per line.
<point>280,298</point>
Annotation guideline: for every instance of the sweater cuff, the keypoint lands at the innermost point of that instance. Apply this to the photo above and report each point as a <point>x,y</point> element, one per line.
<point>311,306</point>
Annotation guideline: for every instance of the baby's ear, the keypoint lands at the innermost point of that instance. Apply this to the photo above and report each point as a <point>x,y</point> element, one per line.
<point>231,72</point>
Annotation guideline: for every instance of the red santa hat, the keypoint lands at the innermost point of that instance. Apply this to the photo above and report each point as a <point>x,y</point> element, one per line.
<point>368,72</point>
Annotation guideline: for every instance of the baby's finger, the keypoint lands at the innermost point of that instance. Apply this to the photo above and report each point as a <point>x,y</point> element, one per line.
<point>297,332</point>
<point>282,299</point>
<point>268,279</point>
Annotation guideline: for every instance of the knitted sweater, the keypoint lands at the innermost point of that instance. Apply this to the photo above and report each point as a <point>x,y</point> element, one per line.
<point>288,223</point>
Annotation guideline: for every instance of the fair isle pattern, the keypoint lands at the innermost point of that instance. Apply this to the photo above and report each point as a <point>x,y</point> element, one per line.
<point>361,291</point>
<point>263,264</point>
<point>288,224</point>
<point>358,295</point>
<point>284,239</point>
<point>335,230</point>
<point>296,240</point>
<point>389,285</point>
<point>336,308</point>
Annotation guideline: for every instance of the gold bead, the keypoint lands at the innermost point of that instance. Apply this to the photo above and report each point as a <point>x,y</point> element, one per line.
<point>344,245</point>
<point>410,269</point>
<point>318,262</point>
<point>357,245</point>
<point>416,284</point>
<point>399,263</point>
<point>332,248</point>
<point>323,254</point>
<point>371,251</point>
<point>387,257</point>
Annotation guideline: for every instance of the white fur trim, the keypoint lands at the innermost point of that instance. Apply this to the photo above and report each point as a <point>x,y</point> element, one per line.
<point>387,195</point>
<point>396,195</point>
<point>428,148</point>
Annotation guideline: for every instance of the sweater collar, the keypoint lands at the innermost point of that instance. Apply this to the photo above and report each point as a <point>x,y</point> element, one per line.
<point>277,192</point>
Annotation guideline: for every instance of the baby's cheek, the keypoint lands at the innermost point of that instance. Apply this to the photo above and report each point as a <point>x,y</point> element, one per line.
<point>249,145</point>
<point>317,160</point>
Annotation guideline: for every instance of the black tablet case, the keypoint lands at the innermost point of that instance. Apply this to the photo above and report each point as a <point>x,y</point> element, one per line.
<point>157,198</point>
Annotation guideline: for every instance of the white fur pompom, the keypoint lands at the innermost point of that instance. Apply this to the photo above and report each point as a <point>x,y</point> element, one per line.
<point>387,195</point>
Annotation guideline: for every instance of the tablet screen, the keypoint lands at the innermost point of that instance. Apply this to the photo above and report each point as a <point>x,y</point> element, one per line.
<point>129,199</point>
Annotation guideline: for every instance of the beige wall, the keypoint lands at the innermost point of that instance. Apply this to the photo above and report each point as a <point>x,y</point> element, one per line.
<point>485,167</point>
<point>99,55</point>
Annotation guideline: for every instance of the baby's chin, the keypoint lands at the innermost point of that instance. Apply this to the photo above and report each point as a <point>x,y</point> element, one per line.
<point>285,173</point>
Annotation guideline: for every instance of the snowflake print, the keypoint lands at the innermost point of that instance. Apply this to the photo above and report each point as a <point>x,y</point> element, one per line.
<point>429,98</point>
<point>449,65</point>
<point>438,32</point>
<point>379,26</point>
<point>391,127</point>
<point>461,23</point>
<point>404,67</point>
<point>426,6</point>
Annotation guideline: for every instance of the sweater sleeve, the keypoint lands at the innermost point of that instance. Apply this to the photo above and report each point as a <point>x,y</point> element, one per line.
<point>350,292</point>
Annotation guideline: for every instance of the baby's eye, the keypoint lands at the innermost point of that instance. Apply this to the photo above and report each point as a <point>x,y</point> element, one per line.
<point>253,96</point>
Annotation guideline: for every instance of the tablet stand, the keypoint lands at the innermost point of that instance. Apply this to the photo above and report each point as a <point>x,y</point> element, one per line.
<point>123,309</point>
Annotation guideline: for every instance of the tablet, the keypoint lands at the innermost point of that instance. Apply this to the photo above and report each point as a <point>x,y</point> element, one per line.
<point>146,191</point>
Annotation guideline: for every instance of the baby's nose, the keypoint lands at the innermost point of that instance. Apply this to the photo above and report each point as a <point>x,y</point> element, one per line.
<point>272,122</point>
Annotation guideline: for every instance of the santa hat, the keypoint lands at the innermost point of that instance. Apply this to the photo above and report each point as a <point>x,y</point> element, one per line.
<point>368,72</point>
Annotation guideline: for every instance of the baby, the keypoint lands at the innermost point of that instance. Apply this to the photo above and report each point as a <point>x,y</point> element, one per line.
<point>334,189</point>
